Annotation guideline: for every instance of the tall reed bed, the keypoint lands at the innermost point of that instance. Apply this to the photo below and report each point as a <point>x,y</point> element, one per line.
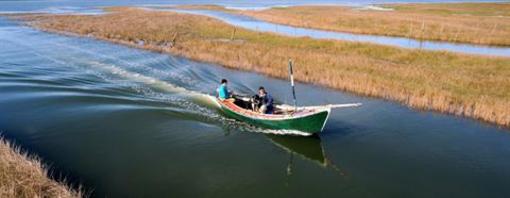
<point>23,176</point>
<point>466,85</point>
<point>477,23</point>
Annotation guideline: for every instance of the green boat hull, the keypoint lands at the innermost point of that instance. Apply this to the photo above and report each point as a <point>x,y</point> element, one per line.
<point>308,124</point>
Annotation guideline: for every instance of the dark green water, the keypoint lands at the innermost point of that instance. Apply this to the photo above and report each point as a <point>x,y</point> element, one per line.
<point>125,122</point>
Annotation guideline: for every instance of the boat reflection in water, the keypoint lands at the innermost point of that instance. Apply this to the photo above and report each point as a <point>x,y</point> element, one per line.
<point>306,147</point>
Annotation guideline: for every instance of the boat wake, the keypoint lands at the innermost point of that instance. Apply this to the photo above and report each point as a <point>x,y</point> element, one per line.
<point>193,101</point>
<point>198,101</point>
<point>284,132</point>
<point>232,124</point>
<point>145,80</point>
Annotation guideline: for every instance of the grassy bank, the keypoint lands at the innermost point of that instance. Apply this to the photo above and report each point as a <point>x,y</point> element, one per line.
<point>477,23</point>
<point>24,176</point>
<point>468,85</point>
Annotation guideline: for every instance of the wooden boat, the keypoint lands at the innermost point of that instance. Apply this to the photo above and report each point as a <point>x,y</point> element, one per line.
<point>308,120</point>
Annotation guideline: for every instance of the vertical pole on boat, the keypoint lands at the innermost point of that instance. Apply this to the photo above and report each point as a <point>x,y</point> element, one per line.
<point>292,83</point>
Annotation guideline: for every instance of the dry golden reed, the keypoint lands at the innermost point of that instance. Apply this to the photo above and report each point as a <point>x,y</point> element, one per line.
<point>23,176</point>
<point>478,23</point>
<point>467,85</point>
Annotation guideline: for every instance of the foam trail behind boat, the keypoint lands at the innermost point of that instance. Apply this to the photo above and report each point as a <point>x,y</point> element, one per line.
<point>181,83</point>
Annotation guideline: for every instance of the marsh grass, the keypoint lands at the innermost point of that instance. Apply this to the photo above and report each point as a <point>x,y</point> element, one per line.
<point>467,85</point>
<point>448,9</point>
<point>24,176</point>
<point>477,23</point>
<point>203,7</point>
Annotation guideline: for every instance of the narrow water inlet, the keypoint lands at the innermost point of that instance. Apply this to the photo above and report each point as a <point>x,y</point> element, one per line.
<point>258,25</point>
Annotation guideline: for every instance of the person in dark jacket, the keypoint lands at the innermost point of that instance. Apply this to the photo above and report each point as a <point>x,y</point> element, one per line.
<point>266,101</point>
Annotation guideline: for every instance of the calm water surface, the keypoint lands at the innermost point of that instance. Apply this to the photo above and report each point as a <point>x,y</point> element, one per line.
<point>125,122</point>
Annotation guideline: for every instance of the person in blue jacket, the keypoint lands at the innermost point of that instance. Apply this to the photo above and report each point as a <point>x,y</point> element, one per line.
<point>223,92</point>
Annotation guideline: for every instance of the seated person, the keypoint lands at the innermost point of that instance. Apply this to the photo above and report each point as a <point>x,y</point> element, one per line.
<point>263,102</point>
<point>222,90</point>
